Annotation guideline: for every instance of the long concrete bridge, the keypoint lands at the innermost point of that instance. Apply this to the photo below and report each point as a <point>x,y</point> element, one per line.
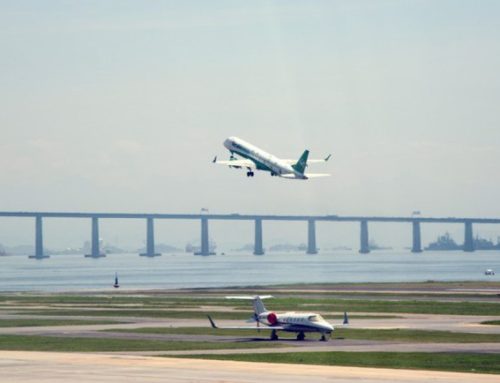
<point>258,219</point>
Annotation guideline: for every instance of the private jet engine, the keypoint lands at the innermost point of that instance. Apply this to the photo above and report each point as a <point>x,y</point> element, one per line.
<point>272,318</point>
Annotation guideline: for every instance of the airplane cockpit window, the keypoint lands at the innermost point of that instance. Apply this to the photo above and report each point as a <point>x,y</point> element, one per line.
<point>314,318</point>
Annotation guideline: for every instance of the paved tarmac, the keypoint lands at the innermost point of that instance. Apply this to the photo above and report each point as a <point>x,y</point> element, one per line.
<point>44,367</point>
<point>455,323</point>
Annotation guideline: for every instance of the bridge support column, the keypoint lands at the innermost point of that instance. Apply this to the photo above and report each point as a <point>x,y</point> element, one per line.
<point>95,249</point>
<point>258,248</point>
<point>417,241</point>
<point>205,245</point>
<point>150,239</point>
<point>38,239</point>
<point>468,237</point>
<point>311,237</point>
<point>364,247</point>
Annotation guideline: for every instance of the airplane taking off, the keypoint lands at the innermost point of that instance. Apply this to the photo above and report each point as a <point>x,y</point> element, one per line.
<point>298,322</point>
<point>258,159</point>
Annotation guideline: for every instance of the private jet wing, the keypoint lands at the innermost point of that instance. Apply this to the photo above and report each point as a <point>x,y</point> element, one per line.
<point>236,163</point>
<point>265,327</point>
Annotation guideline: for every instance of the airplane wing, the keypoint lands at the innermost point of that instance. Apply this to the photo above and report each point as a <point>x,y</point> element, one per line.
<point>212,323</point>
<point>309,161</point>
<point>345,321</point>
<point>310,175</point>
<point>317,175</point>
<point>239,163</point>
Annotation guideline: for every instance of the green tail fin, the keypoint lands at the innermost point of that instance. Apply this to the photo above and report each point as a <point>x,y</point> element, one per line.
<point>301,164</point>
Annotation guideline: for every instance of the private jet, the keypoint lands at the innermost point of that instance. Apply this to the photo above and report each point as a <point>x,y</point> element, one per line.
<point>253,158</point>
<point>297,322</point>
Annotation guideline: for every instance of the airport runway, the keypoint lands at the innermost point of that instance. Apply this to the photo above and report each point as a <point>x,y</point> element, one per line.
<point>311,344</point>
<point>42,367</point>
<point>455,323</point>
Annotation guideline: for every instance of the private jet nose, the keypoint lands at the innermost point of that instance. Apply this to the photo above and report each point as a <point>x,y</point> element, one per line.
<point>328,326</point>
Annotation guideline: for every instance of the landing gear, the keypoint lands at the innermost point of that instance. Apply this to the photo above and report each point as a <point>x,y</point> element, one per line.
<point>324,337</point>
<point>301,336</point>
<point>274,335</point>
<point>250,173</point>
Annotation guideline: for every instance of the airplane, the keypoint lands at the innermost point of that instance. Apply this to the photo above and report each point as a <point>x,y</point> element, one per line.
<point>298,322</point>
<point>254,158</point>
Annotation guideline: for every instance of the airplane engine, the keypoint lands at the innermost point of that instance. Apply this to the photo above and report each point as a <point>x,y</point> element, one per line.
<point>272,318</point>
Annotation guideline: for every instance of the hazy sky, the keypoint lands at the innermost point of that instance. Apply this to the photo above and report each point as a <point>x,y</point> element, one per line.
<point>121,106</point>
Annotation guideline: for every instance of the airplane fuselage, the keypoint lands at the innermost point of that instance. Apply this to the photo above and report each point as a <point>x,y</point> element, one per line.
<point>296,322</point>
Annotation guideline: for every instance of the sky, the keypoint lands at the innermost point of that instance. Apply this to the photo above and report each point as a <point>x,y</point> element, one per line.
<point>120,106</point>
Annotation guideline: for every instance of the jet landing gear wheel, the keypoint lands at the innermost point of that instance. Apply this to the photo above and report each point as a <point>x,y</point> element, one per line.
<point>323,338</point>
<point>274,335</point>
<point>250,174</point>
<point>301,336</point>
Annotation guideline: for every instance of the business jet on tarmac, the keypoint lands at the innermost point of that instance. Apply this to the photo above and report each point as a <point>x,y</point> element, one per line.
<point>255,158</point>
<point>298,322</point>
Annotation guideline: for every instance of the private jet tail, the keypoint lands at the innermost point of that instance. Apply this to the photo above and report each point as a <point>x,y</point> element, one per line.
<point>258,305</point>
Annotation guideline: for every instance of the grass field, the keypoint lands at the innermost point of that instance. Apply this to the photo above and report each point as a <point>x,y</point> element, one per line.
<point>432,298</point>
<point>465,362</point>
<point>492,322</point>
<point>142,313</point>
<point>66,344</point>
<point>105,308</point>
<point>399,335</point>
<point>322,305</point>
<point>15,322</point>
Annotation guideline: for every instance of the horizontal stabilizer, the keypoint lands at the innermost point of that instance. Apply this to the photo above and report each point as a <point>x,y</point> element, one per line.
<point>309,161</point>
<point>249,297</point>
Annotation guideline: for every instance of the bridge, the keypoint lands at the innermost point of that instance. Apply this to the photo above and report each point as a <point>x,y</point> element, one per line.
<point>258,219</point>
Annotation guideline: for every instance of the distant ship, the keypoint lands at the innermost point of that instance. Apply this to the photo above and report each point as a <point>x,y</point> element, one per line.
<point>485,244</point>
<point>445,242</point>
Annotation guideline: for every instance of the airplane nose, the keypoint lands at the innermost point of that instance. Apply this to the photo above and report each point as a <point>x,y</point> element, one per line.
<point>227,143</point>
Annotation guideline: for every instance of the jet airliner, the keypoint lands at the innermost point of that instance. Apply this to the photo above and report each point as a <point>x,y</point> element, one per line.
<point>253,158</point>
<point>298,322</point>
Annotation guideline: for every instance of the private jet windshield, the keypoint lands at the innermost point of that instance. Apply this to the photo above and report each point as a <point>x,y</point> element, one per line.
<point>315,318</point>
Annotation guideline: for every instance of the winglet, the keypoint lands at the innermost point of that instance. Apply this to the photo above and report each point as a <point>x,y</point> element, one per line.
<point>214,160</point>
<point>327,157</point>
<point>212,323</point>
<point>346,319</point>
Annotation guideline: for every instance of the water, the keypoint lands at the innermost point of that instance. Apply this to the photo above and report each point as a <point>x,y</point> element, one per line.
<point>74,272</point>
